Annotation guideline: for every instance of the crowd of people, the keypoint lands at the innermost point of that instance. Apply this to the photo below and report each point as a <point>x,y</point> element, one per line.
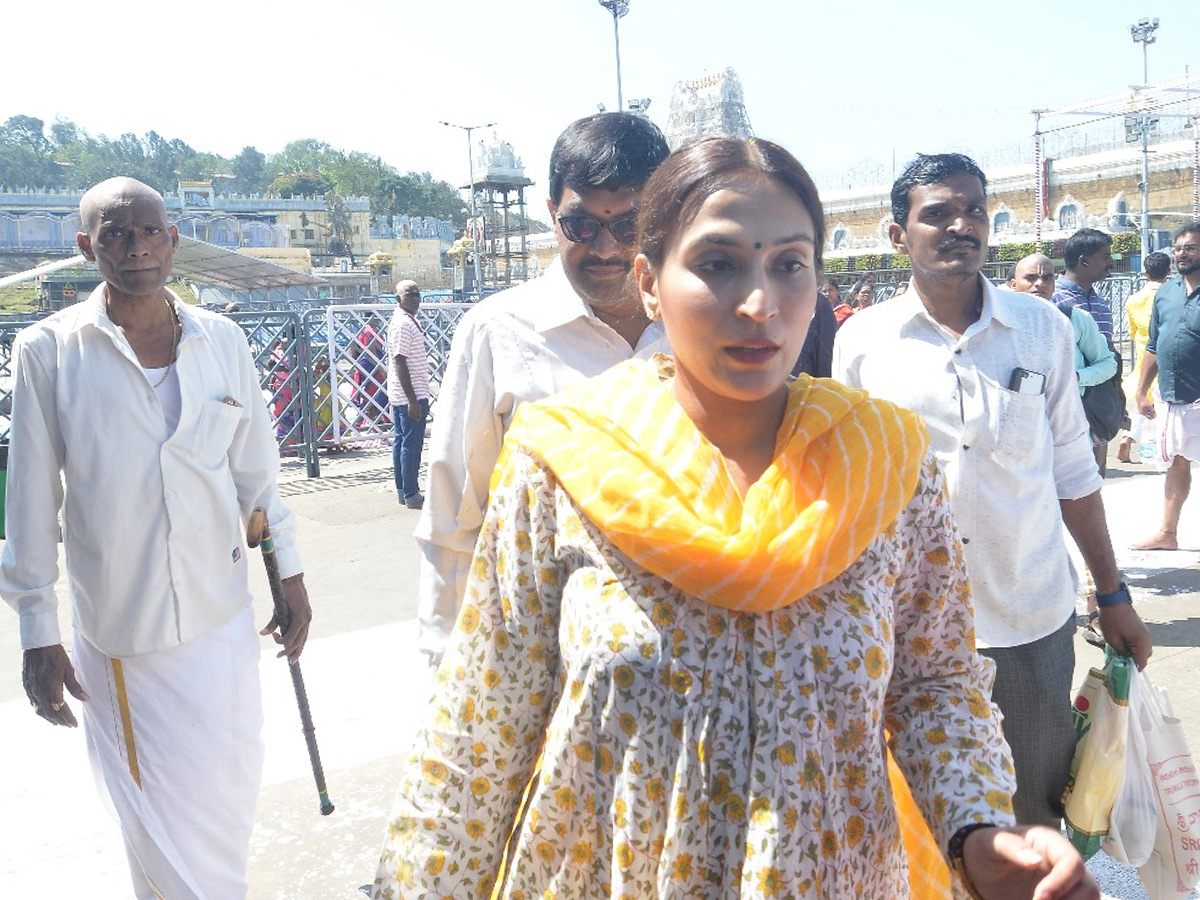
<point>720,579</point>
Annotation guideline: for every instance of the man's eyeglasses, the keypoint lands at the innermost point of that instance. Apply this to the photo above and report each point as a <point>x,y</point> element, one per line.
<point>1187,248</point>
<point>585,229</point>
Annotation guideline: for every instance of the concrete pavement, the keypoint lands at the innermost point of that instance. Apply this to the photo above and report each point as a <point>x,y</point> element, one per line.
<point>367,687</point>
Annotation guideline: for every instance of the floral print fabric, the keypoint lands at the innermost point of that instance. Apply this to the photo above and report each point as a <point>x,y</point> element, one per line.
<point>684,750</point>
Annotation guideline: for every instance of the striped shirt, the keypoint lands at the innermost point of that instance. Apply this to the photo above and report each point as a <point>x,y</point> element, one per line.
<point>405,338</point>
<point>1067,295</point>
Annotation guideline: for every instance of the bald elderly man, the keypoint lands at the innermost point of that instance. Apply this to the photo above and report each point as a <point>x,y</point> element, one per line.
<point>140,420</point>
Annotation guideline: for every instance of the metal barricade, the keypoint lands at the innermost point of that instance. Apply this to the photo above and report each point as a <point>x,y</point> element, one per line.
<point>323,370</point>
<point>8,334</point>
<point>1116,290</point>
<point>348,348</point>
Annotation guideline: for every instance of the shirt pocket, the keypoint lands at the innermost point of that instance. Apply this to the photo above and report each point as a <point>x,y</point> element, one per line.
<point>215,428</point>
<point>1191,316</point>
<point>1020,426</point>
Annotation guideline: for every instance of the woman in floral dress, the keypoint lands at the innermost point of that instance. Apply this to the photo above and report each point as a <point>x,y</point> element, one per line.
<point>706,601</point>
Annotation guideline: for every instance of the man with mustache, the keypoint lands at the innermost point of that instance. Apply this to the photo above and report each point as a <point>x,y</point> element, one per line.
<point>993,374</point>
<point>582,317</point>
<point>1173,355</point>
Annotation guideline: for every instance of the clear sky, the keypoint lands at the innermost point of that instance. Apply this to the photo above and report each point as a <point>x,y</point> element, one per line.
<point>850,86</point>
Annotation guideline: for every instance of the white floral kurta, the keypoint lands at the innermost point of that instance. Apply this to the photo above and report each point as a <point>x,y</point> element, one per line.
<point>688,751</point>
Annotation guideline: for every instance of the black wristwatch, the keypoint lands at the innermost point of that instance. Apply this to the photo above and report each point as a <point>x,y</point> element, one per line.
<point>954,854</point>
<point>1116,598</point>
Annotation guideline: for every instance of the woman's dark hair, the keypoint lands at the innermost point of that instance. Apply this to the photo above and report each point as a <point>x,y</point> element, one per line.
<point>693,173</point>
<point>605,151</point>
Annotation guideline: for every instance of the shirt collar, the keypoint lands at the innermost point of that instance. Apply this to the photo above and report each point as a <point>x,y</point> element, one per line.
<point>560,304</point>
<point>1065,285</point>
<point>95,313</point>
<point>996,306</point>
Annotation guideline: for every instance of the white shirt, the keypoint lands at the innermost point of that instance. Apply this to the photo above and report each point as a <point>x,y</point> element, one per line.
<point>152,527</point>
<point>1008,457</point>
<point>522,344</point>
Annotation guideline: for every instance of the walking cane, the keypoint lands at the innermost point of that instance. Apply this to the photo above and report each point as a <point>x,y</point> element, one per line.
<point>259,532</point>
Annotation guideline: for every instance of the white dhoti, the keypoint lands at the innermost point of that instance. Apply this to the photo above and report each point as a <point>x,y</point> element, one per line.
<point>1180,434</point>
<point>175,740</point>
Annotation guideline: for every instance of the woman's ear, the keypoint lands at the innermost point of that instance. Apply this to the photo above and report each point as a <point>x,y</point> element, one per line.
<point>647,283</point>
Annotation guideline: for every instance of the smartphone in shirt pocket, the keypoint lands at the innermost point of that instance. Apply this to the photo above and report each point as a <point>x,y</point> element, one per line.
<point>1024,381</point>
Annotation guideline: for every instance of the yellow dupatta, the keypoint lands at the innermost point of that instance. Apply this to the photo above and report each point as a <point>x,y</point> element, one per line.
<point>637,466</point>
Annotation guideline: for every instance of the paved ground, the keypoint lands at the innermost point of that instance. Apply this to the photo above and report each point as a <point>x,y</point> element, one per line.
<point>367,686</point>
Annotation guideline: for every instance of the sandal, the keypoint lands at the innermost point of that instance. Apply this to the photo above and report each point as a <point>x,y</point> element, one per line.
<point>1091,629</point>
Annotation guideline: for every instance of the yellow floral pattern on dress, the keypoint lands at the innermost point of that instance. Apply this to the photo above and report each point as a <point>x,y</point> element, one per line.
<point>684,750</point>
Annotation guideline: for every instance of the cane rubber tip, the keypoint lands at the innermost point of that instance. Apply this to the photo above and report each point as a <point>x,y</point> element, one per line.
<point>326,808</point>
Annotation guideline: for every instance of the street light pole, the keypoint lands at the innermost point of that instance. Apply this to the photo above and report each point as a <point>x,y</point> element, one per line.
<point>1142,33</point>
<point>618,8</point>
<point>471,187</point>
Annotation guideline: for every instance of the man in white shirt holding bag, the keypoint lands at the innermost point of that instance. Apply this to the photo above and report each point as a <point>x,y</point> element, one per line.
<point>992,374</point>
<point>140,421</point>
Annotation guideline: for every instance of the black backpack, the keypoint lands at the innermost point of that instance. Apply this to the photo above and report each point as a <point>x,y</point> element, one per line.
<point>1104,403</point>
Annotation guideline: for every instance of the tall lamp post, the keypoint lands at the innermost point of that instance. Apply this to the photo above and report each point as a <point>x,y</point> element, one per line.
<point>618,8</point>
<point>1142,33</point>
<point>471,187</point>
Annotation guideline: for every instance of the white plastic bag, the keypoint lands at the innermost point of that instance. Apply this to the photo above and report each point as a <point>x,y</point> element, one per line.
<point>1131,826</point>
<point>1174,865</point>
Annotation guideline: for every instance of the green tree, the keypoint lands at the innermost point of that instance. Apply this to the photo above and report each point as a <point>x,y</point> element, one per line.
<point>249,170</point>
<point>305,155</point>
<point>26,155</point>
<point>299,184</point>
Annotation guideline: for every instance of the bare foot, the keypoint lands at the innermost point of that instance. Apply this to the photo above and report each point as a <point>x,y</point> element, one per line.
<point>1160,540</point>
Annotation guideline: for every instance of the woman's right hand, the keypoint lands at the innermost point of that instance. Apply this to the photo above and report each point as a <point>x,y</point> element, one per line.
<point>1030,863</point>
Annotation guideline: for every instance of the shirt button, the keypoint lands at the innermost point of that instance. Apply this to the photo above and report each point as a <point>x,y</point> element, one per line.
<point>958,351</point>
<point>966,540</point>
<point>171,495</point>
<point>966,446</point>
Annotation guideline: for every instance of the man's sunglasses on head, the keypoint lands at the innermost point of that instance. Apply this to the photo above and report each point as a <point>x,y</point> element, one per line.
<point>585,229</point>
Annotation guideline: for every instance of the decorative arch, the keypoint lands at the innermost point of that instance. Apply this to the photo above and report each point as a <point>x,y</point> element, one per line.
<point>1070,214</point>
<point>1004,221</point>
<point>839,237</point>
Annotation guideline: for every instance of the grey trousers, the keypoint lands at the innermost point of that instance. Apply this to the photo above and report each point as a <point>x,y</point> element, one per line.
<point>1033,691</point>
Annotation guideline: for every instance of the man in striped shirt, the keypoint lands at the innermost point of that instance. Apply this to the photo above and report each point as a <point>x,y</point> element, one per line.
<point>408,392</point>
<point>1088,258</point>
